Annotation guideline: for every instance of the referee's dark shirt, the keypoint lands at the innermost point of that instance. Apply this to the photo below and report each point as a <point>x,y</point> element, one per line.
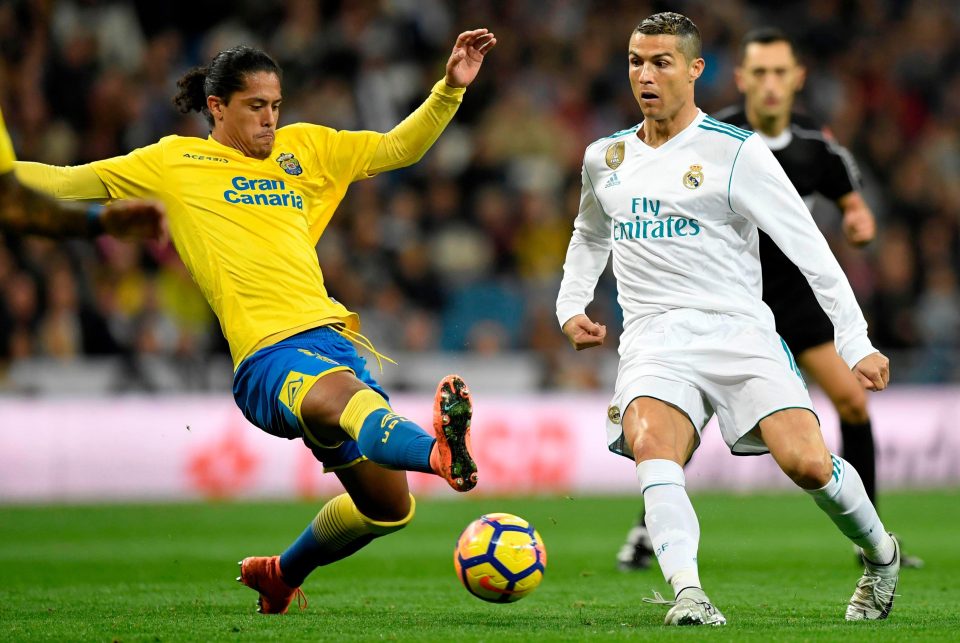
<point>814,163</point>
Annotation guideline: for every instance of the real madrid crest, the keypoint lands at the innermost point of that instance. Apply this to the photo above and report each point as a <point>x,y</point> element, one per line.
<point>291,165</point>
<point>694,178</point>
<point>613,413</point>
<point>615,154</point>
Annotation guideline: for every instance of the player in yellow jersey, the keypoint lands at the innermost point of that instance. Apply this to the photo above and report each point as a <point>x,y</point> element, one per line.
<point>246,208</point>
<point>23,210</point>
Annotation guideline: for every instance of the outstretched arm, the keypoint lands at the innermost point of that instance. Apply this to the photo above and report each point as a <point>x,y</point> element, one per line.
<point>406,143</point>
<point>25,211</point>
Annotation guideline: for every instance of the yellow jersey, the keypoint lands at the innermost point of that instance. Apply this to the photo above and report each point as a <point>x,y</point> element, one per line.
<point>247,228</point>
<point>7,157</point>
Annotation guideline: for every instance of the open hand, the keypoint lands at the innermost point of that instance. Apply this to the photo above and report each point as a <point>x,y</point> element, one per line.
<point>467,56</point>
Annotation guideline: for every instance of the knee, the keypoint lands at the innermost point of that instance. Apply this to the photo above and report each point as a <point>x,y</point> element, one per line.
<point>325,402</point>
<point>654,430</point>
<point>647,446</point>
<point>642,448</point>
<point>852,407</point>
<point>392,517</point>
<point>810,470</point>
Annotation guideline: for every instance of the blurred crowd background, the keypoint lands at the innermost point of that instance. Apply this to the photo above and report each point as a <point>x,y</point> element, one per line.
<point>460,256</point>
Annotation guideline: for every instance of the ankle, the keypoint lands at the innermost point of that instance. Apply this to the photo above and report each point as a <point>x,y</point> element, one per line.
<point>283,577</point>
<point>693,592</point>
<point>883,554</point>
<point>685,579</point>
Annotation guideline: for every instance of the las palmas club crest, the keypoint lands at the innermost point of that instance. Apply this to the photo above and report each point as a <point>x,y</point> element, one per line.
<point>290,164</point>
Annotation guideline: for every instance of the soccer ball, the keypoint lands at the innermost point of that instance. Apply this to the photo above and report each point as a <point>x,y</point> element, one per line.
<point>500,558</point>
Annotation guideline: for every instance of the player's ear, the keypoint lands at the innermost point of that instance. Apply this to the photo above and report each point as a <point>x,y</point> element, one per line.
<point>696,68</point>
<point>801,77</point>
<point>215,105</point>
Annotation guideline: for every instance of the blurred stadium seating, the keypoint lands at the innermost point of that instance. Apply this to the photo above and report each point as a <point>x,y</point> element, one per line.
<point>459,257</point>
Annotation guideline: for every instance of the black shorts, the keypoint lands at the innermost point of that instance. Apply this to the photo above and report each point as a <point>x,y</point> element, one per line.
<point>801,321</point>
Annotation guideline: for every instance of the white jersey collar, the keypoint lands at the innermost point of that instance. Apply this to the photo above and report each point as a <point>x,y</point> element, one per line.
<point>686,132</point>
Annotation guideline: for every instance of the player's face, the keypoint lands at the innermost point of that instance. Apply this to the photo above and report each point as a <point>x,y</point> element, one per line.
<point>769,78</point>
<point>660,75</point>
<point>249,120</point>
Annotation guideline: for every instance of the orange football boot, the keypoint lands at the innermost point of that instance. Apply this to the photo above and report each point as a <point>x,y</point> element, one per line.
<point>452,410</point>
<point>262,573</point>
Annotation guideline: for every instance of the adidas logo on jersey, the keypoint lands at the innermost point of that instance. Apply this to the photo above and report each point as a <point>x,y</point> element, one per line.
<point>612,181</point>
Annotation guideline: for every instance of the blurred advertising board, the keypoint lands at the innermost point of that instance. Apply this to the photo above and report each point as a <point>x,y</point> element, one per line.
<point>188,447</point>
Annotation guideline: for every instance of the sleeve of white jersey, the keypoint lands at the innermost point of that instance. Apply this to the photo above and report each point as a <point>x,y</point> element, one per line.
<point>761,192</point>
<point>587,255</point>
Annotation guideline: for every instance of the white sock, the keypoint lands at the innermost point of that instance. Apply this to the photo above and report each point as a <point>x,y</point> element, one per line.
<point>671,521</point>
<point>845,500</point>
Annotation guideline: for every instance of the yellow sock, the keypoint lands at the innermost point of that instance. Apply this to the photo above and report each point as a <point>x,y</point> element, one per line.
<point>362,404</point>
<point>340,522</point>
<point>337,531</point>
<point>385,438</point>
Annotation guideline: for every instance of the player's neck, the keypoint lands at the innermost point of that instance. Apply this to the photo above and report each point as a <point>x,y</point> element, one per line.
<point>657,132</point>
<point>768,125</point>
<point>226,140</point>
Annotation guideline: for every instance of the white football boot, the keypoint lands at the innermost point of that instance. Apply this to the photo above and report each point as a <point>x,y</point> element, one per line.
<point>873,598</point>
<point>691,607</point>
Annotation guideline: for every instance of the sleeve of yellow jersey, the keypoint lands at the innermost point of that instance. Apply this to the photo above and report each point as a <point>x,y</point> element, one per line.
<point>347,156</point>
<point>136,175</point>
<point>7,156</point>
<point>350,156</point>
<point>406,143</point>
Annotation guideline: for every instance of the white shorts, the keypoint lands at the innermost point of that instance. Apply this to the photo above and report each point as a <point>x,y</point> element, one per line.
<point>704,363</point>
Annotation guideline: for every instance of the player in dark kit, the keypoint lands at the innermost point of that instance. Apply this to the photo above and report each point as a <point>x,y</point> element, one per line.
<point>769,76</point>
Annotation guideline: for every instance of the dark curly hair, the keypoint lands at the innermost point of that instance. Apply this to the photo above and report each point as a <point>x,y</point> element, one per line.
<point>225,75</point>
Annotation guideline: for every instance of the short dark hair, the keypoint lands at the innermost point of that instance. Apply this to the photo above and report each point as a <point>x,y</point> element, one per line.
<point>222,77</point>
<point>669,23</point>
<point>767,36</point>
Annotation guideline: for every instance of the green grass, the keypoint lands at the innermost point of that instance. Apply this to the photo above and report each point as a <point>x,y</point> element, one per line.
<point>773,564</point>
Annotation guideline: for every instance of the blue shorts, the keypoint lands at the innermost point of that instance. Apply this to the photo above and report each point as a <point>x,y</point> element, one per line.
<point>269,387</point>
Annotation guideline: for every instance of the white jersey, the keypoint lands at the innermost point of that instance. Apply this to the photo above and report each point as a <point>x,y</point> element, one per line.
<point>681,220</point>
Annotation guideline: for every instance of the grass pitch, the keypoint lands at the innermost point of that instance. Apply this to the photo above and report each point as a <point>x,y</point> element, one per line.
<point>773,564</point>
